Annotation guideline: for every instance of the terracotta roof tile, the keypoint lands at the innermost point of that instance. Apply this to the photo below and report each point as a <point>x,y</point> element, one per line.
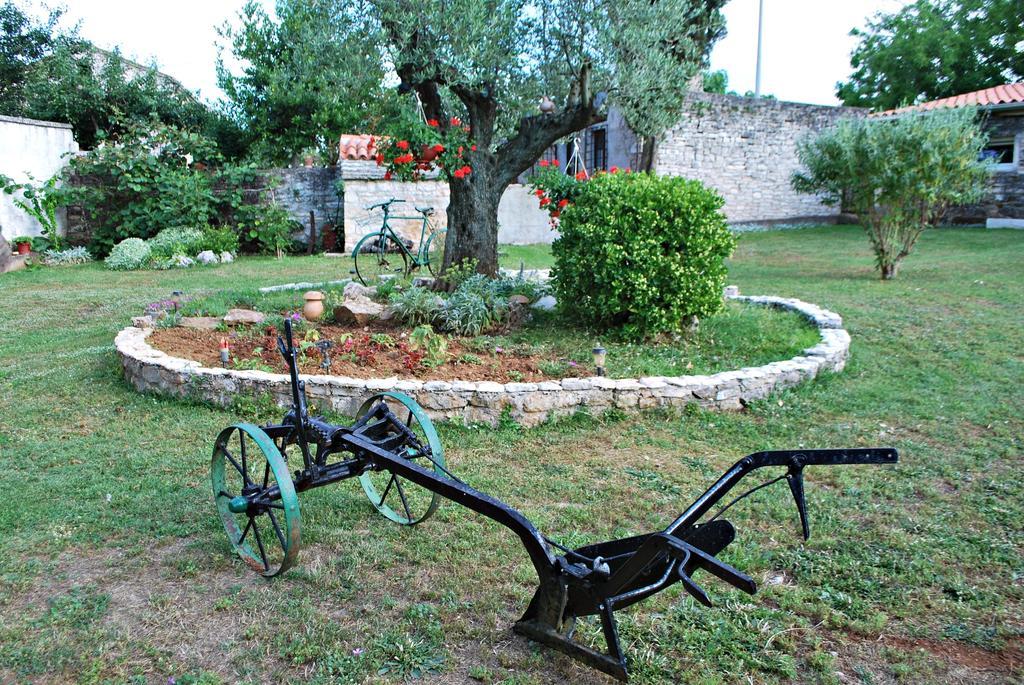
<point>1008,94</point>
<point>356,146</point>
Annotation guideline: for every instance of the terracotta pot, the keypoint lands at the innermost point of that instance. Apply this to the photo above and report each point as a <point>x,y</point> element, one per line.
<point>428,153</point>
<point>308,161</point>
<point>24,248</point>
<point>314,307</point>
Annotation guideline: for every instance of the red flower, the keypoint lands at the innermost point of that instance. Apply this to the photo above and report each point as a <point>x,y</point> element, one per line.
<point>628,170</point>
<point>544,162</point>
<point>473,148</point>
<point>467,129</point>
<point>554,162</point>
<point>402,145</point>
<point>555,214</point>
<point>433,122</point>
<point>379,158</point>
<point>462,172</point>
<point>387,177</point>
<point>581,175</point>
<point>545,201</point>
<point>614,170</point>
<point>439,148</point>
<point>455,121</point>
<point>562,203</point>
<point>460,150</point>
<point>404,159</point>
<point>539,192</point>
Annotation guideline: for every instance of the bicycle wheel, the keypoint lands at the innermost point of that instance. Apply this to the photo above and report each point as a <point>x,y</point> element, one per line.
<point>434,251</point>
<point>377,255</point>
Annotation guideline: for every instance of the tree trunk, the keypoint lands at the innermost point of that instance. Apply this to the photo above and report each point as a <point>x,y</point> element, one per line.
<point>473,219</point>
<point>889,270</point>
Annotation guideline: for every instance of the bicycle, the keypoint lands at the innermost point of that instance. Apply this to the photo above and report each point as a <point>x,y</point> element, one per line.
<point>385,253</point>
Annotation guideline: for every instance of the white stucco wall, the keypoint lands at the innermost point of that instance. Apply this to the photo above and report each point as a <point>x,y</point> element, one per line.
<point>520,219</point>
<point>38,148</point>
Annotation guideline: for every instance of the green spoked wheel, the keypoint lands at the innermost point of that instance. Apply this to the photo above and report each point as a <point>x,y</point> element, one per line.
<point>397,498</point>
<point>435,252</point>
<point>379,255</point>
<point>256,498</point>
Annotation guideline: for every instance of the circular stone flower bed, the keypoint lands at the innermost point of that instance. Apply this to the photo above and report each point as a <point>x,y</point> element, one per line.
<point>529,400</point>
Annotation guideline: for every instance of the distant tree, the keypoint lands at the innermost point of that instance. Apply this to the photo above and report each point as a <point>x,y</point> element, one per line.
<point>933,49</point>
<point>95,90</point>
<point>716,81</point>
<point>307,76</point>
<point>23,41</point>
<point>479,70</point>
<point>899,174</point>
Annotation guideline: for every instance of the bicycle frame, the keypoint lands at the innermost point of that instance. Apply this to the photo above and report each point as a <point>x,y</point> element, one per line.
<point>420,258</point>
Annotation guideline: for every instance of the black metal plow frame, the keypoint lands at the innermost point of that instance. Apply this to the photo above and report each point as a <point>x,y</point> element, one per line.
<point>256,496</point>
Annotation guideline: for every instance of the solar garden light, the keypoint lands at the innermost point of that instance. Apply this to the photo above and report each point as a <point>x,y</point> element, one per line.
<point>599,356</point>
<point>224,352</point>
<point>176,299</point>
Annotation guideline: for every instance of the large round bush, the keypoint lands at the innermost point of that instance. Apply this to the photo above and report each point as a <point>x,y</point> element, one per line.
<point>642,253</point>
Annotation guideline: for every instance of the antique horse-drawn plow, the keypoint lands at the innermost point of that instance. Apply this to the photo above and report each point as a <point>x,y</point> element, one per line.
<point>395,453</point>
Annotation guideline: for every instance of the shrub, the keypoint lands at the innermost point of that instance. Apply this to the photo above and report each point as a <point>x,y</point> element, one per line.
<point>72,255</point>
<point>176,241</point>
<point>219,240</point>
<point>465,313</point>
<point>899,174</point>
<point>642,253</point>
<point>416,306</point>
<point>269,228</point>
<point>131,253</point>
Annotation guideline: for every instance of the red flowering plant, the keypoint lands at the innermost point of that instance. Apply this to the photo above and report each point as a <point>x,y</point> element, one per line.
<point>556,188</point>
<point>413,148</point>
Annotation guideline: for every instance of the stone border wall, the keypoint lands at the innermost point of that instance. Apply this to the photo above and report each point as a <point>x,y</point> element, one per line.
<point>150,370</point>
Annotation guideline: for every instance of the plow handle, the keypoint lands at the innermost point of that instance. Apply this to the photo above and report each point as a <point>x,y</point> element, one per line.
<point>795,460</point>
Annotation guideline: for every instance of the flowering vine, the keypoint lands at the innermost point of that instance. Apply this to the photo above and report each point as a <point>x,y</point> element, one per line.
<point>421,147</point>
<point>555,189</point>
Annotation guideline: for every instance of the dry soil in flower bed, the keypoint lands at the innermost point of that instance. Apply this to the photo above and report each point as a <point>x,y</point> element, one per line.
<point>376,361</point>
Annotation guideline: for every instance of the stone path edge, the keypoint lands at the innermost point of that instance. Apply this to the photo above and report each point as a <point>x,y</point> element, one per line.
<point>152,371</point>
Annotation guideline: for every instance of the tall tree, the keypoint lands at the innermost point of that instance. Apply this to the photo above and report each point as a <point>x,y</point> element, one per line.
<point>488,64</point>
<point>305,76</point>
<point>100,92</point>
<point>23,41</point>
<point>933,49</point>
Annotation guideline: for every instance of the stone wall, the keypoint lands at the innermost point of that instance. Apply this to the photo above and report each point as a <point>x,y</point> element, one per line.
<point>150,370</point>
<point>745,148</point>
<point>39,148</point>
<point>520,219</point>
<point>1004,202</point>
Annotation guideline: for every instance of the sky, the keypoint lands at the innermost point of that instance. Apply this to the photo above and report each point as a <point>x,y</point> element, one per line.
<point>806,42</point>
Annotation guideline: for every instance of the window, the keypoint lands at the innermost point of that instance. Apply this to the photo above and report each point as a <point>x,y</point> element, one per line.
<point>1002,153</point>
<point>599,149</point>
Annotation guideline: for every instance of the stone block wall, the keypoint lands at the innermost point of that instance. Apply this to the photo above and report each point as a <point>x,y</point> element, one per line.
<point>39,148</point>
<point>745,148</point>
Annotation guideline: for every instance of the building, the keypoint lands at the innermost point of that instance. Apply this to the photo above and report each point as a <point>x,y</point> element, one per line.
<point>1003,107</point>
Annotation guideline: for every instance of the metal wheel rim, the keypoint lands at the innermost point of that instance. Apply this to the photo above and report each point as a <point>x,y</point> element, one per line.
<point>376,498</point>
<point>434,265</point>
<point>280,529</point>
<point>376,256</point>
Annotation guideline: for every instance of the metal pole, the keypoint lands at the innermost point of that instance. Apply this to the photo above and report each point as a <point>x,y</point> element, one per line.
<point>760,32</point>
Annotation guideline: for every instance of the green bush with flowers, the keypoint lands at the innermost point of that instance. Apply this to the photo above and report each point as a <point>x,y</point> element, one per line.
<point>638,252</point>
<point>412,148</point>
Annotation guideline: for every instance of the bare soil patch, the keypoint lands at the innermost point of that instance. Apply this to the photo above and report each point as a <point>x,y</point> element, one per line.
<point>356,354</point>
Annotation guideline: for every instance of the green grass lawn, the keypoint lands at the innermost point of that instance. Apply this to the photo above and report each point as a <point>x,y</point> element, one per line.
<point>114,567</point>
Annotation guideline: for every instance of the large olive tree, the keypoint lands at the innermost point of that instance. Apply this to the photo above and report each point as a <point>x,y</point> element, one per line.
<point>488,63</point>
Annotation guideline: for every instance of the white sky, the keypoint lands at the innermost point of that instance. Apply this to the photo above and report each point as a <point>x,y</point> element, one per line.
<point>806,42</point>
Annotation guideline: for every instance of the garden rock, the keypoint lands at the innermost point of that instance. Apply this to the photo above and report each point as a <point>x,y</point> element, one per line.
<point>244,316</point>
<point>203,323</point>
<point>521,300</point>
<point>6,258</point>
<point>546,303</point>
<point>359,311</point>
<point>226,258</point>
<point>181,261</point>
<point>207,257</point>
<point>142,321</point>
<point>355,291</point>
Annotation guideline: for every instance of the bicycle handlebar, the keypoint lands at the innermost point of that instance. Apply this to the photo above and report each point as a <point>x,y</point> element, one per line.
<point>385,204</point>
